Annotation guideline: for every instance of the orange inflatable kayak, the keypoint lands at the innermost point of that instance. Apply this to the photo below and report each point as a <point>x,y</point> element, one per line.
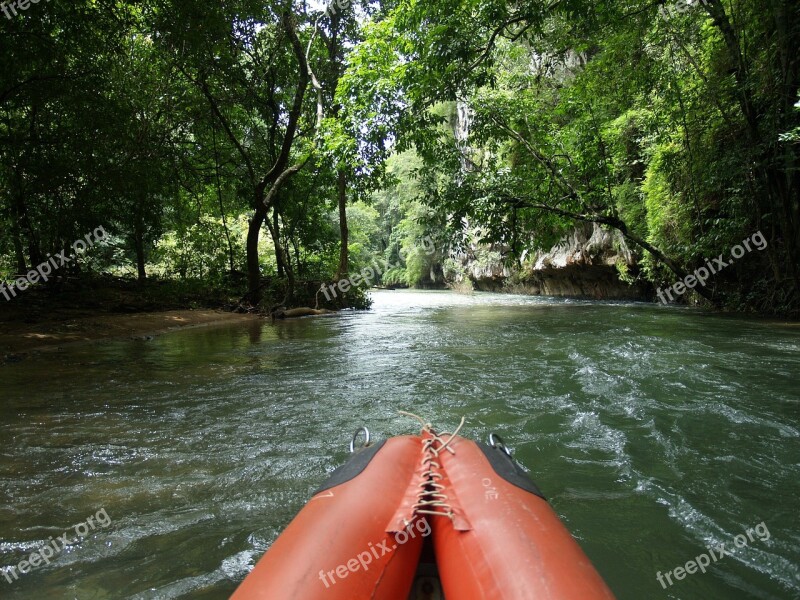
<point>426,517</point>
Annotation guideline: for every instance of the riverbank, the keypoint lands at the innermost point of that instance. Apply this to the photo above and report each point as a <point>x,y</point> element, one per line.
<point>18,339</point>
<point>103,308</point>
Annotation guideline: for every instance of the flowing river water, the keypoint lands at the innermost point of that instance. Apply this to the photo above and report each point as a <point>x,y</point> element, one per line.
<point>655,432</point>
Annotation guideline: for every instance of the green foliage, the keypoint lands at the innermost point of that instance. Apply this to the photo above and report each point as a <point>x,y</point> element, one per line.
<point>793,136</point>
<point>474,123</point>
<point>199,251</point>
<point>662,125</point>
<point>365,234</point>
<point>669,218</point>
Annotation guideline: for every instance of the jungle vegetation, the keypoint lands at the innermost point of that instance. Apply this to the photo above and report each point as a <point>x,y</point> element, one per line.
<point>267,147</point>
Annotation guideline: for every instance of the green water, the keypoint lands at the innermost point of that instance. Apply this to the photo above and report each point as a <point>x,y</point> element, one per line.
<point>655,432</point>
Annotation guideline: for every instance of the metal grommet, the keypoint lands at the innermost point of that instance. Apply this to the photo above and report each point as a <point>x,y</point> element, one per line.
<point>495,441</point>
<point>355,437</point>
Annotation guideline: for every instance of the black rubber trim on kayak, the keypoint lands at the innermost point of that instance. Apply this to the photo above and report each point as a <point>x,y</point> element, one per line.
<point>507,468</point>
<point>352,468</point>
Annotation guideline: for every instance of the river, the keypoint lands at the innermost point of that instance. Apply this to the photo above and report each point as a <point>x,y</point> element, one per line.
<point>655,432</point>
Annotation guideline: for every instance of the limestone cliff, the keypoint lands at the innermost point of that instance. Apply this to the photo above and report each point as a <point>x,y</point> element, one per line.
<point>586,263</point>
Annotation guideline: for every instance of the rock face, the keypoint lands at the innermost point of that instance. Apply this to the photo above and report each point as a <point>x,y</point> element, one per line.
<point>580,281</point>
<point>587,245</point>
<point>582,265</point>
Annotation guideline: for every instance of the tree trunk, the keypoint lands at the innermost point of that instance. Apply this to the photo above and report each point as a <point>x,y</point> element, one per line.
<point>222,206</point>
<point>253,265</point>
<point>138,243</point>
<point>345,232</point>
<point>19,249</point>
<point>300,270</point>
<point>21,216</point>
<point>283,260</point>
<point>276,234</point>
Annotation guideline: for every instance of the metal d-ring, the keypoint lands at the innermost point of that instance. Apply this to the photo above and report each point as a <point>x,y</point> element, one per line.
<point>495,441</point>
<point>355,437</point>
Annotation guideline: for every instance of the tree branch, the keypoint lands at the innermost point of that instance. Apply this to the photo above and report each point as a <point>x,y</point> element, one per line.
<point>620,226</point>
<point>297,107</point>
<point>202,85</point>
<point>283,178</point>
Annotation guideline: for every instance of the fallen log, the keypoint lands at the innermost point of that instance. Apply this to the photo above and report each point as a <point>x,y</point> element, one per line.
<point>295,313</point>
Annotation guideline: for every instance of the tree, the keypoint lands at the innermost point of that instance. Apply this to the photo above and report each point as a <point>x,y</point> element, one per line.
<point>251,68</point>
<point>548,85</point>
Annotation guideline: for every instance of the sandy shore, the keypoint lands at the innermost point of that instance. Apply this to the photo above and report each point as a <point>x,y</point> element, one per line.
<point>20,338</point>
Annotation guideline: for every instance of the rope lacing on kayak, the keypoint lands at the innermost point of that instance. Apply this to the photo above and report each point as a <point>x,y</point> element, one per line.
<point>431,497</point>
